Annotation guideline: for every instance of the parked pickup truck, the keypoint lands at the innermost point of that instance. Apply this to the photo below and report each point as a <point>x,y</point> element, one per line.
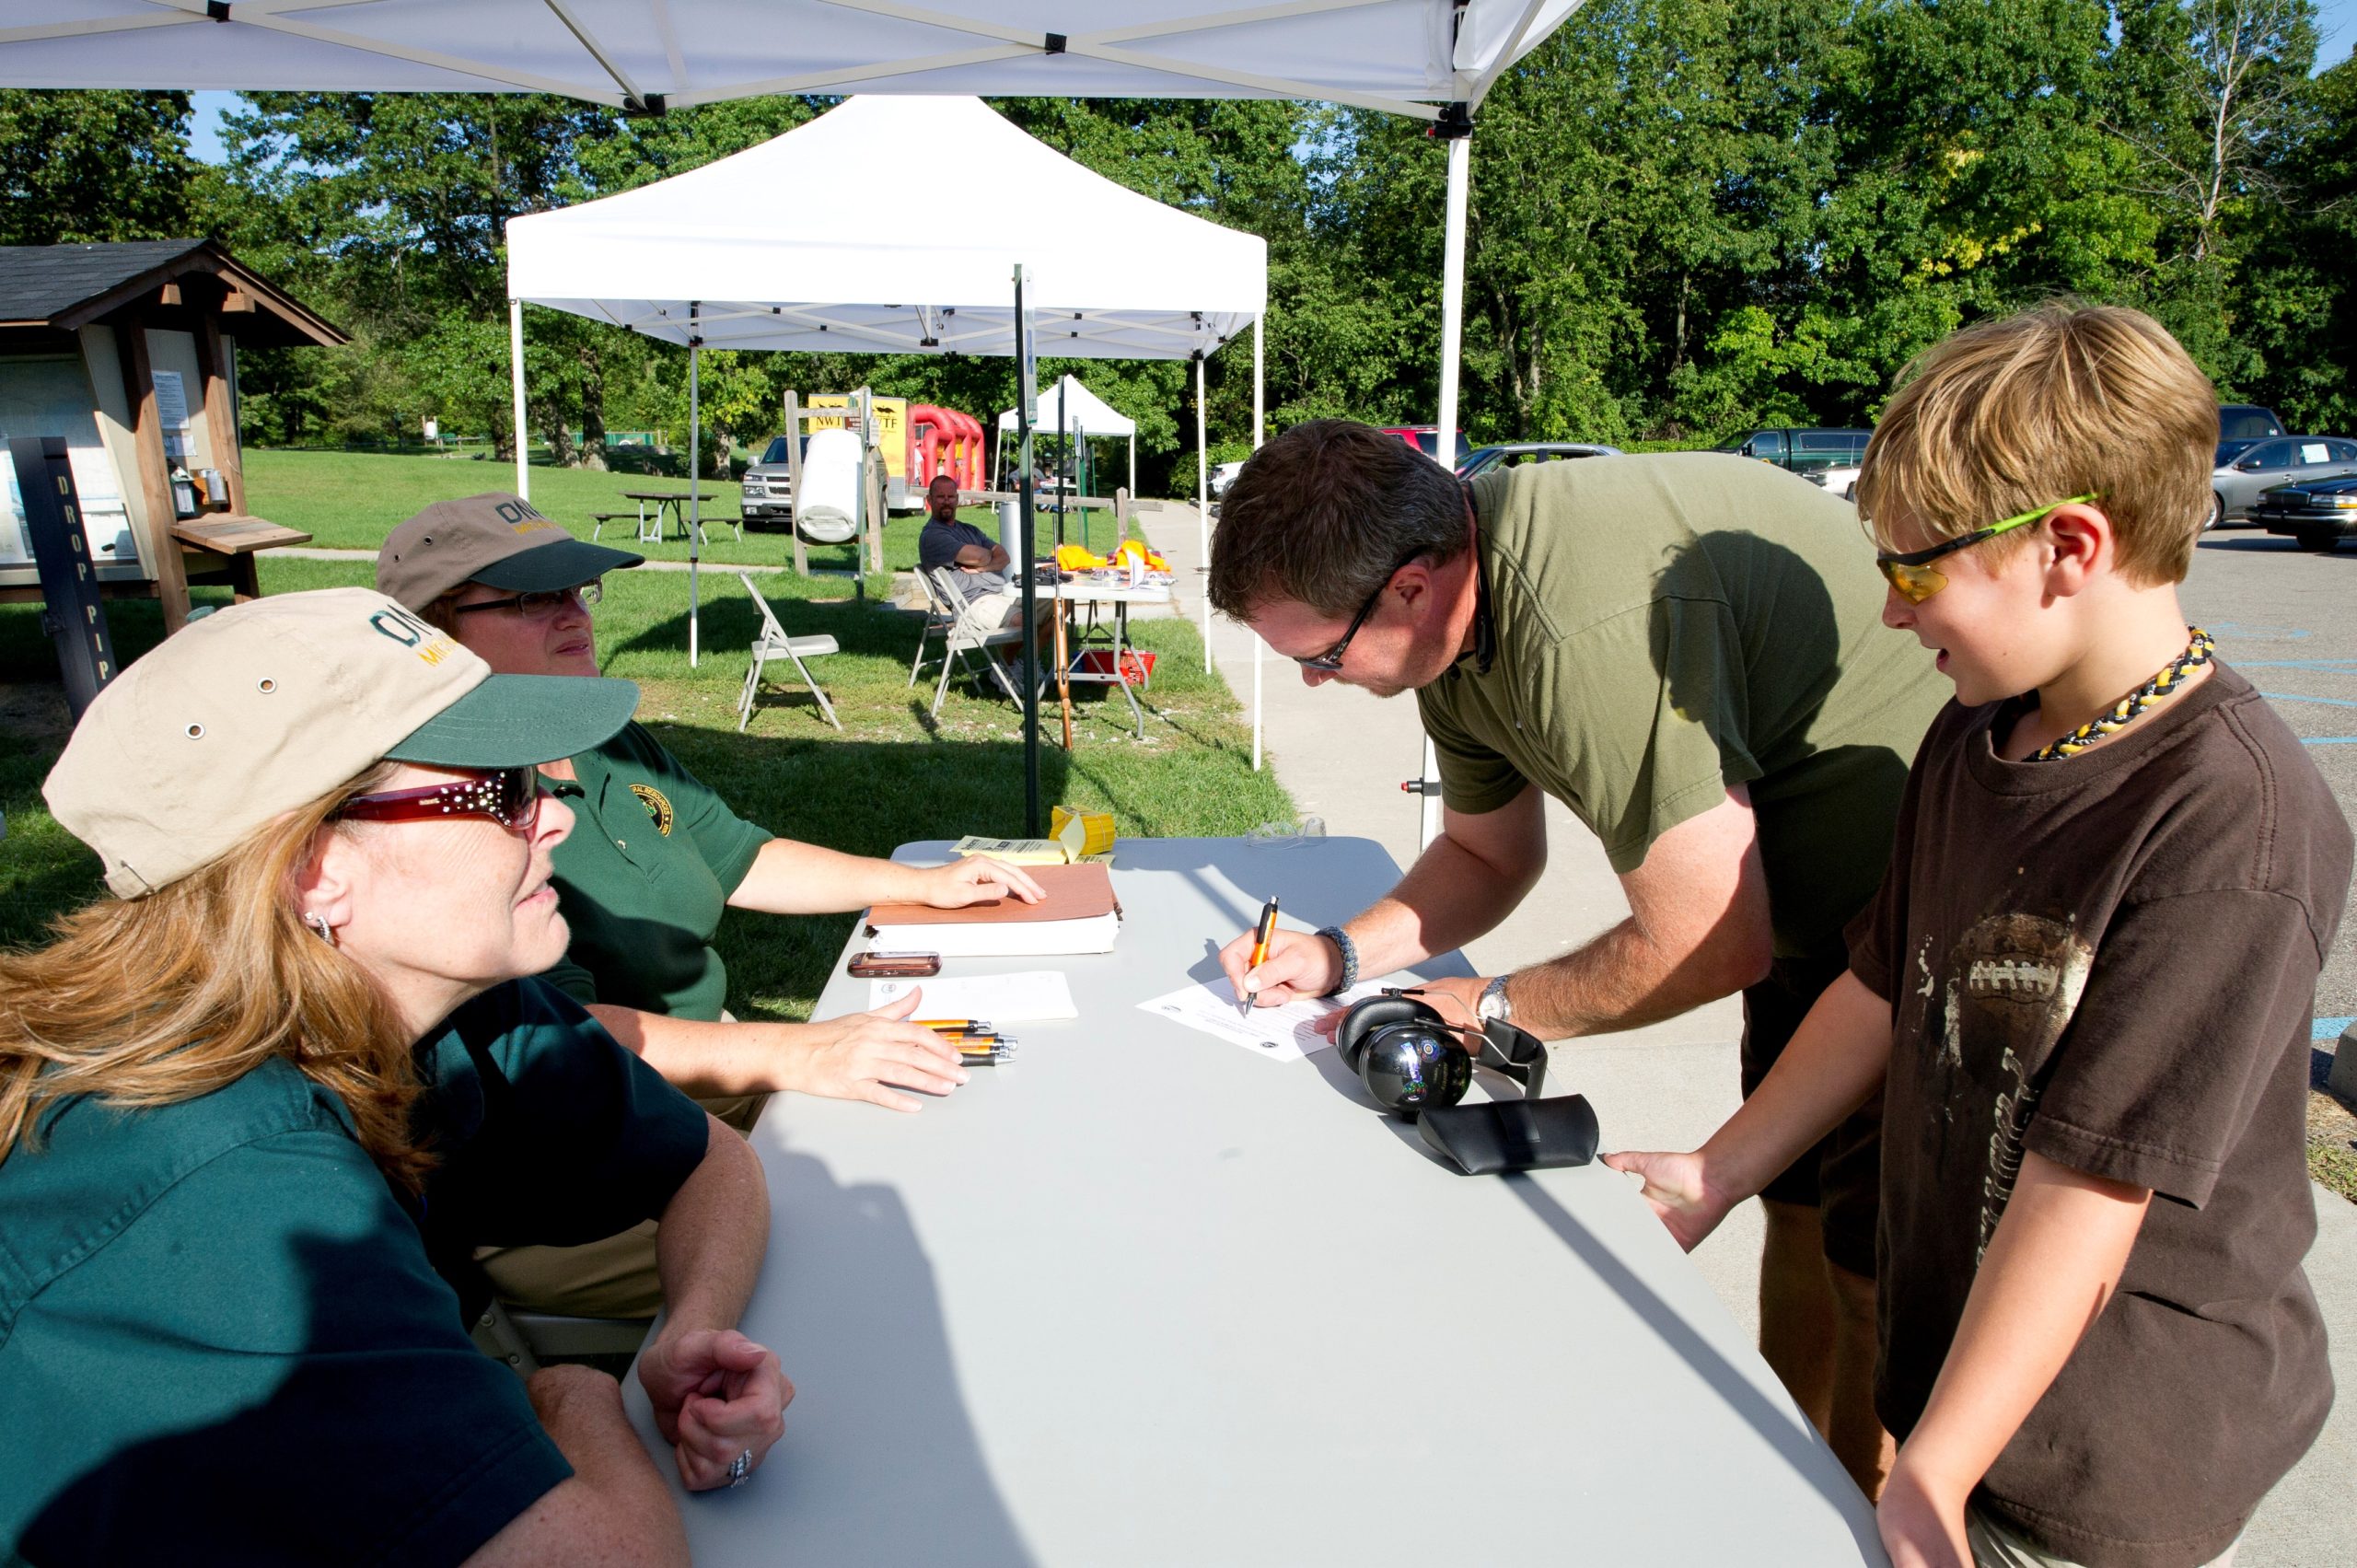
<point>769,485</point>
<point>1802,451</point>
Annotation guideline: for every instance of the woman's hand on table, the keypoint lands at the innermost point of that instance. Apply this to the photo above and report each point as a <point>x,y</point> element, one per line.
<point>717,1395</point>
<point>868,1056</point>
<point>975,879</point>
<point>1299,965</point>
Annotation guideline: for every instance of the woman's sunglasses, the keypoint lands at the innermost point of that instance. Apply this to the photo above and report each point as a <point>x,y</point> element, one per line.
<point>1911,575</point>
<point>509,796</point>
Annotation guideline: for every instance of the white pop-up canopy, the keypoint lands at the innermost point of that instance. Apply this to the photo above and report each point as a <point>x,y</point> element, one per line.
<point>1401,56</point>
<point>1080,405</point>
<point>1069,406</point>
<point>799,244</point>
<point>1397,56</point>
<point>790,245</point>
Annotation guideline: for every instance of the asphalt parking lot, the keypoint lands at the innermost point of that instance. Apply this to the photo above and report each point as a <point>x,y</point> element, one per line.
<point>2288,622</point>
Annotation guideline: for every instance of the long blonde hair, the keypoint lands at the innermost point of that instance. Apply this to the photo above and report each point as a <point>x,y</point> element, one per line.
<point>151,1001</point>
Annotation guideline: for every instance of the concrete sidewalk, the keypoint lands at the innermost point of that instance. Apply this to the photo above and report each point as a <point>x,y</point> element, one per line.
<point>1343,754</point>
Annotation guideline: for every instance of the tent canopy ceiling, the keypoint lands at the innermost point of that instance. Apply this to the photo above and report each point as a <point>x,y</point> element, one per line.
<point>1082,409</point>
<point>797,244</point>
<point>1392,55</point>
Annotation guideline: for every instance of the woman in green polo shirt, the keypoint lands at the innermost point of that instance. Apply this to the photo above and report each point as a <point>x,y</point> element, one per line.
<point>257,1108</point>
<point>659,856</point>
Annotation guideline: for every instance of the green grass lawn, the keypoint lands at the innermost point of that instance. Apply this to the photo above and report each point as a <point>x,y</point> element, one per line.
<point>894,773</point>
<point>352,500</point>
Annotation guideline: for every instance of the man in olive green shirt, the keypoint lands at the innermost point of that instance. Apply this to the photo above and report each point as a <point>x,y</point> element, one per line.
<point>1687,650</point>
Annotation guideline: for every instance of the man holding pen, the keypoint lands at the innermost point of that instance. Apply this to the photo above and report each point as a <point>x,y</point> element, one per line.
<point>1687,650</point>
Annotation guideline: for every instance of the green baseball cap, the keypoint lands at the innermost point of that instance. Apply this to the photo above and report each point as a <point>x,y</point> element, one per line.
<point>263,708</point>
<point>495,539</point>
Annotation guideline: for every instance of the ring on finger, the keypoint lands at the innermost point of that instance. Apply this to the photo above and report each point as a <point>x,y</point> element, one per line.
<point>740,1469</point>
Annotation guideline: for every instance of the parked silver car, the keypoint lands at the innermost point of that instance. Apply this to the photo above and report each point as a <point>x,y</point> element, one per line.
<point>2277,462</point>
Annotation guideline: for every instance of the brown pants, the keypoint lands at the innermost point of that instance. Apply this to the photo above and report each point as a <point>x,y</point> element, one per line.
<point>611,1278</point>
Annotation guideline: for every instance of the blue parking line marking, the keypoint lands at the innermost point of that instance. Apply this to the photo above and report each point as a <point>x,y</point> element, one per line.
<point>2323,1029</point>
<point>2329,741</point>
<point>2295,697</point>
<point>2260,630</point>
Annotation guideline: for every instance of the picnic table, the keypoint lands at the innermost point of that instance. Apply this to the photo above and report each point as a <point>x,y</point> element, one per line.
<point>673,503</point>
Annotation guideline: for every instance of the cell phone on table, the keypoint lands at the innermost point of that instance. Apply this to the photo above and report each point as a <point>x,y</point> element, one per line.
<point>873,965</point>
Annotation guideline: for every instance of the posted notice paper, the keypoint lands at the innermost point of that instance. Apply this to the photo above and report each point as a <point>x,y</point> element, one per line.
<point>1282,1034</point>
<point>1028,997</point>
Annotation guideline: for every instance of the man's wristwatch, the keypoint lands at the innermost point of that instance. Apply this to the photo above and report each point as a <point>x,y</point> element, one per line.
<point>1342,944</point>
<point>1493,1004</point>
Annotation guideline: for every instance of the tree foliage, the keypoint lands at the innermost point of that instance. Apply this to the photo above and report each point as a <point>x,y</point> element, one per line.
<point>1685,219</point>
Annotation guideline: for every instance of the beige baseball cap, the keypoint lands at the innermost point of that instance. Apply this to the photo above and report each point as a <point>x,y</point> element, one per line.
<point>264,707</point>
<point>495,538</point>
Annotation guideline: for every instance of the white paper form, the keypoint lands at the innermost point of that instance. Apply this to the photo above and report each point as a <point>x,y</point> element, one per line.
<point>995,998</point>
<point>1281,1034</point>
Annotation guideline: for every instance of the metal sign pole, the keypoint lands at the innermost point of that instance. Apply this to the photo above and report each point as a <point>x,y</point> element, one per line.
<point>1026,407</point>
<point>695,439</point>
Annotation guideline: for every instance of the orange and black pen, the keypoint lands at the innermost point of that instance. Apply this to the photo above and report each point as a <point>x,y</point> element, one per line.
<point>1260,937</point>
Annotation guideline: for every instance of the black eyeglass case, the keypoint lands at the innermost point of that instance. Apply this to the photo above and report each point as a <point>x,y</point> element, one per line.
<point>1510,1136</point>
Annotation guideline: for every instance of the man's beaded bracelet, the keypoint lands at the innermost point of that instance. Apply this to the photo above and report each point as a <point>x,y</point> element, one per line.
<point>1342,943</point>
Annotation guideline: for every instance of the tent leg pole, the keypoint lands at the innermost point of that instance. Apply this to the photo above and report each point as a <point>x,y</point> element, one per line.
<point>695,514</point>
<point>1203,511</point>
<point>515,378</point>
<point>1452,337</point>
<point>1257,644</point>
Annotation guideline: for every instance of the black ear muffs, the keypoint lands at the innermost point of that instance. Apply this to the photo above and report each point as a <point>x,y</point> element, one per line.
<point>1405,1053</point>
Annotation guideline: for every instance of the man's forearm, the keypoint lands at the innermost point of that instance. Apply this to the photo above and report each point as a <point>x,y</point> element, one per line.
<point>714,1232</point>
<point>1448,898</point>
<point>1620,979</point>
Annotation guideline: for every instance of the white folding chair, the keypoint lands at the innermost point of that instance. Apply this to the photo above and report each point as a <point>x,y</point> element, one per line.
<point>969,633</point>
<point>939,617</point>
<point>772,643</point>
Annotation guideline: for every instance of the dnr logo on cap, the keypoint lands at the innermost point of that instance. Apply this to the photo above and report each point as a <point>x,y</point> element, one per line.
<point>429,641</point>
<point>519,515</point>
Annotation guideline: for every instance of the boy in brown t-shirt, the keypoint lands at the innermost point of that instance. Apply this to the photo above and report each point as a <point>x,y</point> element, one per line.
<point>2085,986</point>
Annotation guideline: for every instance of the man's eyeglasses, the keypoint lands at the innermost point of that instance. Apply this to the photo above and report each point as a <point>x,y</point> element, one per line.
<point>1330,661</point>
<point>509,796</point>
<point>1911,575</point>
<point>540,606</point>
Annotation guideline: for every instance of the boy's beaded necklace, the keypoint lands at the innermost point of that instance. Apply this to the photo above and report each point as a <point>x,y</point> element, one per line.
<point>2135,705</point>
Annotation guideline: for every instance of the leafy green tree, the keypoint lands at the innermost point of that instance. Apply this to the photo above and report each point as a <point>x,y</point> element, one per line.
<point>77,167</point>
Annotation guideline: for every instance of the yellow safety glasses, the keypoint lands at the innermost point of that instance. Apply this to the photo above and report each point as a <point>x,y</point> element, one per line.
<point>1914,577</point>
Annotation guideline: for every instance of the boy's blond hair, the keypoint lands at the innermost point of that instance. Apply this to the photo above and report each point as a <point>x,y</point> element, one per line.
<point>2063,400</point>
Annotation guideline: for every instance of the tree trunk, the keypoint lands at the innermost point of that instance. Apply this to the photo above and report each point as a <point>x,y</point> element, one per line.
<point>592,411</point>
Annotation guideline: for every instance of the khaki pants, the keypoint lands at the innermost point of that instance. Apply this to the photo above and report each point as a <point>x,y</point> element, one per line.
<point>612,1278</point>
<point>1997,1546</point>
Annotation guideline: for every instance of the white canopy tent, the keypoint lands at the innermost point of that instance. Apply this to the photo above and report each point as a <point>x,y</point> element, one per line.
<point>1084,411</point>
<point>807,265</point>
<point>1400,56</point>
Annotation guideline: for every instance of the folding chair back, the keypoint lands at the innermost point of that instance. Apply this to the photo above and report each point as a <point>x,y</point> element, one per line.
<point>968,631</point>
<point>939,617</point>
<point>772,643</point>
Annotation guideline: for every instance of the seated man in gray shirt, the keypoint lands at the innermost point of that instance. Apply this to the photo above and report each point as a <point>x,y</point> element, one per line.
<point>977,563</point>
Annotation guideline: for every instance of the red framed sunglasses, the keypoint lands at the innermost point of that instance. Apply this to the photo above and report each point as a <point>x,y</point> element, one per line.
<point>509,796</point>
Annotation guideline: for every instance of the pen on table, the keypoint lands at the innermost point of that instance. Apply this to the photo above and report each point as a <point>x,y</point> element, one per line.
<point>1268,928</point>
<point>976,1038</point>
<point>964,1025</point>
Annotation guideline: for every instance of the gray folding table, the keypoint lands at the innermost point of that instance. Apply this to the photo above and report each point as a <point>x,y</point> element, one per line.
<point>1143,1296</point>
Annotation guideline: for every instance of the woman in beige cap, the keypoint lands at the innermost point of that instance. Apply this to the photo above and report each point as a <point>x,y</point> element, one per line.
<point>258,1110</point>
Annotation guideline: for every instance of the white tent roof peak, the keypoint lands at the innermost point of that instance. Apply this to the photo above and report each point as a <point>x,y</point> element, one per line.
<point>1397,56</point>
<point>802,243</point>
<point>1083,410</point>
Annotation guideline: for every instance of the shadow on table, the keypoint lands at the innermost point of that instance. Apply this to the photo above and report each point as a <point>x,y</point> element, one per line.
<point>880,1463</point>
<point>1778,1426</point>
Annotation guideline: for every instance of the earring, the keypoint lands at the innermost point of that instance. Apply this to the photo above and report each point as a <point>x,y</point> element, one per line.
<point>318,923</point>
